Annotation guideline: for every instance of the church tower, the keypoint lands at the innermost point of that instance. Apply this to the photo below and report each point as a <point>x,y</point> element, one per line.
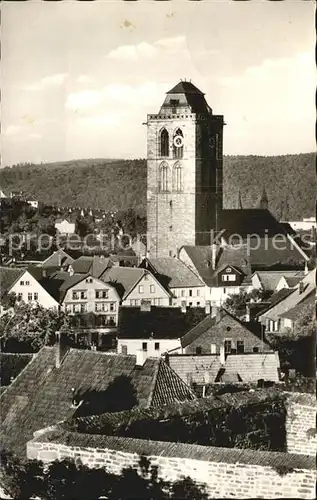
<point>184,171</point>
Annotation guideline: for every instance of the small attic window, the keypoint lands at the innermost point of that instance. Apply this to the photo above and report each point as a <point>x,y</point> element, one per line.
<point>174,102</point>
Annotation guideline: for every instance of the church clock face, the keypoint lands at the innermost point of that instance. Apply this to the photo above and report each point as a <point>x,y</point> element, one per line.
<point>178,141</point>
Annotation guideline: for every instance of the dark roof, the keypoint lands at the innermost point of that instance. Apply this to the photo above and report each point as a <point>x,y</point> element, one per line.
<point>188,96</point>
<point>295,313</point>
<point>8,276</point>
<point>172,272</point>
<point>57,259</point>
<point>270,279</point>
<point>210,321</point>
<point>124,279</point>
<point>185,88</point>
<point>42,394</point>
<point>201,257</point>
<point>161,322</point>
<point>250,221</point>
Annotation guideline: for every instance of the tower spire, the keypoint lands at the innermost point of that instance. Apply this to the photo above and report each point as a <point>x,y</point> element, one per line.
<point>264,201</point>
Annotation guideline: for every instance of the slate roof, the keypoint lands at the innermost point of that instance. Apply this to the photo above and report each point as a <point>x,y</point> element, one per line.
<point>41,395</point>
<point>210,321</point>
<point>185,88</point>
<point>95,265</point>
<point>160,322</point>
<point>295,297</point>
<point>8,276</point>
<point>270,279</point>
<point>188,95</point>
<point>201,257</point>
<point>250,221</point>
<point>172,272</point>
<point>252,366</point>
<point>124,279</point>
<point>58,258</point>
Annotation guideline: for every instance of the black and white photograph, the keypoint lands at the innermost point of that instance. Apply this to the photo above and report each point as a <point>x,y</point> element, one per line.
<point>158,250</point>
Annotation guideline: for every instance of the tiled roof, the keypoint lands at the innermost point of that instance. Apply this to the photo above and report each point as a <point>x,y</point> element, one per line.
<point>8,276</point>
<point>201,257</point>
<point>124,279</point>
<point>246,222</point>
<point>82,264</point>
<point>42,394</point>
<point>173,272</point>
<point>270,279</point>
<point>160,322</point>
<point>195,365</point>
<point>210,321</point>
<point>295,297</point>
<point>252,366</point>
<point>67,281</point>
<point>295,312</point>
<point>58,258</point>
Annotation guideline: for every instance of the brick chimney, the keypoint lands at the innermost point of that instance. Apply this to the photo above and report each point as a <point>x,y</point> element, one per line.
<point>61,348</point>
<point>301,287</point>
<point>207,307</point>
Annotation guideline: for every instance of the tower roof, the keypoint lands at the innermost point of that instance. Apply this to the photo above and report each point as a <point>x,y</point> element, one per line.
<point>185,88</point>
<point>186,95</point>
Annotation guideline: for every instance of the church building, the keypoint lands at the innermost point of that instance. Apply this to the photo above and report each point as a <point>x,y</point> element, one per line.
<point>184,171</point>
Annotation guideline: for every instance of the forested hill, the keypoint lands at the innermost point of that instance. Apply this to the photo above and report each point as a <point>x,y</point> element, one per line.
<point>289,180</point>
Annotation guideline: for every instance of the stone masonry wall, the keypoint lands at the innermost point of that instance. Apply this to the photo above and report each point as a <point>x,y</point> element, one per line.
<point>228,473</point>
<point>301,424</point>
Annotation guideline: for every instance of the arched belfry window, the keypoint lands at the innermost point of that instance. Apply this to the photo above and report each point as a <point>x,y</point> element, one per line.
<point>164,143</point>
<point>163,177</point>
<point>178,144</point>
<point>178,177</point>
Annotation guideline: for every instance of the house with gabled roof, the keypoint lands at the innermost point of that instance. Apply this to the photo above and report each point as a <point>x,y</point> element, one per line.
<point>225,270</point>
<point>187,287</point>
<point>60,383</point>
<point>154,330</point>
<point>58,259</point>
<point>136,285</point>
<point>96,265</point>
<point>223,331</point>
<point>64,227</point>
<point>33,286</point>
<point>271,317</point>
<point>275,280</point>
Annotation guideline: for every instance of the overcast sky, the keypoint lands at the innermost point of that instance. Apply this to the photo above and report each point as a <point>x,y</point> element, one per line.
<point>78,78</point>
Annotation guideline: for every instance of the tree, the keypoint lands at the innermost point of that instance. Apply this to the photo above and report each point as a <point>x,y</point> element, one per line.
<point>28,327</point>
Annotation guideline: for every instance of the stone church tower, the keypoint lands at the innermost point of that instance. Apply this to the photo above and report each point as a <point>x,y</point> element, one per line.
<point>184,171</point>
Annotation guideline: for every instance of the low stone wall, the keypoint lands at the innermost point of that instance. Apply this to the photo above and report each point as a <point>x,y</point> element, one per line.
<point>228,473</point>
<point>301,424</point>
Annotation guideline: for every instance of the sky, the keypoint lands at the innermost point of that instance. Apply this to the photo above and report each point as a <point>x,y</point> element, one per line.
<point>79,78</point>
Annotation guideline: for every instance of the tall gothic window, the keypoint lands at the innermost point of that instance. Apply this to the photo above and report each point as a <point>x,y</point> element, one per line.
<point>178,144</point>
<point>164,143</point>
<point>163,177</point>
<point>178,177</point>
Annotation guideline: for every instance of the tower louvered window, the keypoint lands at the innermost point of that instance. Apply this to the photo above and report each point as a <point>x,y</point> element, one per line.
<point>178,144</point>
<point>164,143</point>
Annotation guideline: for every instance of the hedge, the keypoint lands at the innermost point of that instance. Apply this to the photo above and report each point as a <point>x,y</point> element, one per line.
<point>11,364</point>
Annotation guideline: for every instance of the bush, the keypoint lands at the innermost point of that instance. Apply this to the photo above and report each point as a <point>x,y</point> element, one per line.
<point>11,364</point>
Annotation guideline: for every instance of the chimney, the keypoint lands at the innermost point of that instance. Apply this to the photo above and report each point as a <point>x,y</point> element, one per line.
<point>44,273</point>
<point>59,260</point>
<point>183,306</point>
<point>301,287</point>
<point>247,313</point>
<point>222,357</point>
<point>214,311</point>
<point>71,270</point>
<point>145,305</point>
<point>61,348</point>
<point>140,358</point>
<point>213,255</point>
<point>306,269</point>
<point>207,307</point>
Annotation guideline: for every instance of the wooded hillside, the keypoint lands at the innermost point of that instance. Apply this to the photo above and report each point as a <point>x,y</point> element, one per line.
<point>289,180</point>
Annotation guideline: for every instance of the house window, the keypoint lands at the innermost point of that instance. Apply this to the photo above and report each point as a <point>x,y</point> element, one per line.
<point>112,306</point>
<point>228,277</point>
<point>102,294</point>
<point>29,296</point>
<point>152,288</point>
<point>68,308</point>
<point>83,295</point>
<point>198,292</point>
<point>141,289</point>
<point>157,346</point>
<point>19,297</point>
<point>198,304</point>
<point>101,306</point>
<point>198,350</point>
<point>36,296</point>
<point>124,349</point>
<point>240,346</point>
<point>190,293</point>
<point>190,304</point>
<point>255,349</point>
<point>224,290</point>
<point>83,308</point>
<point>76,308</point>
<point>144,346</point>
<point>27,283</point>
<point>178,151</point>
<point>21,283</point>
<point>89,280</point>
<point>75,296</point>
<point>170,253</point>
<point>178,177</point>
<point>213,348</point>
<point>164,143</point>
<point>228,346</point>
<point>182,293</point>
<point>132,302</point>
<point>156,302</point>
